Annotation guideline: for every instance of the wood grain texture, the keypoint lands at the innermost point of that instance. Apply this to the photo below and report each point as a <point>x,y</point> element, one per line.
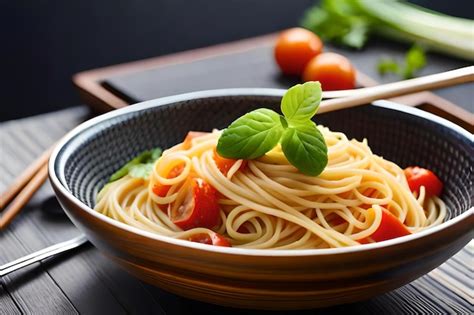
<point>7,303</point>
<point>95,274</point>
<point>71,273</point>
<point>19,148</point>
<point>82,282</point>
<point>24,285</point>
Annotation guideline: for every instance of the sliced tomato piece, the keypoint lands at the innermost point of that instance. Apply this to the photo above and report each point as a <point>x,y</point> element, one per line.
<point>417,177</point>
<point>390,227</point>
<point>202,238</point>
<point>215,239</point>
<point>365,240</point>
<point>225,164</point>
<point>219,240</point>
<point>162,190</point>
<point>190,136</point>
<point>199,208</point>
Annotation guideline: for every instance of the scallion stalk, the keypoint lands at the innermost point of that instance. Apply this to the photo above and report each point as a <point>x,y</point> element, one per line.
<point>341,21</point>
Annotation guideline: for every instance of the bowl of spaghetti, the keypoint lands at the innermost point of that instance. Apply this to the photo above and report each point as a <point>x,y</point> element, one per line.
<point>150,187</point>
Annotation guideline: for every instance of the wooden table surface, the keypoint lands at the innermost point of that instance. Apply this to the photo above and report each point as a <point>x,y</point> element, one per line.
<point>84,281</point>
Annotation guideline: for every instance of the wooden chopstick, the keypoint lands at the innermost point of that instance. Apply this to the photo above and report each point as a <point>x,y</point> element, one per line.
<point>429,82</point>
<point>24,196</point>
<point>35,175</point>
<point>24,178</point>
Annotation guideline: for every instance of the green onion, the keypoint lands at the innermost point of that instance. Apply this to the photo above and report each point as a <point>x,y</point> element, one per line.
<point>350,22</point>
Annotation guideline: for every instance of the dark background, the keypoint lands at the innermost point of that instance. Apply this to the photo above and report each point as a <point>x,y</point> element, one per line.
<point>46,41</point>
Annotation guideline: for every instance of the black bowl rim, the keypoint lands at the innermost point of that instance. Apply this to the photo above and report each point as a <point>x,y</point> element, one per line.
<point>59,180</point>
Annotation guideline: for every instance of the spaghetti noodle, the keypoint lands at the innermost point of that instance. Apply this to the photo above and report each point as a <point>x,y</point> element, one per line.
<point>267,203</point>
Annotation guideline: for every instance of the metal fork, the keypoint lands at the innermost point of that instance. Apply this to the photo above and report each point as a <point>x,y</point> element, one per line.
<point>42,254</point>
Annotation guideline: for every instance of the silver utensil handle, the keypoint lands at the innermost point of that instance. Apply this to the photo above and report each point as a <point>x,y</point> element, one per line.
<point>42,254</point>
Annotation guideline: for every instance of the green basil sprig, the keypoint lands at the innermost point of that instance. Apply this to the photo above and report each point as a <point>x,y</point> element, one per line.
<point>138,167</point>
<point>259,131</point>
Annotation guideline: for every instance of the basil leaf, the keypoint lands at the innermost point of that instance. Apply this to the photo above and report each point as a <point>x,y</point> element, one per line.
<point>143,158</point>
<point>257,132</point>
<point>301,101</point>
<point>251,135</point>
<point>304,147</point>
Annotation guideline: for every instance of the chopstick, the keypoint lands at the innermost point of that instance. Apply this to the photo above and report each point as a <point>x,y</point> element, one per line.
<point>24,178</point>
<point>23,188</point>
<point>24,196</point>
<point>370,94</point>
<point>37,173</point>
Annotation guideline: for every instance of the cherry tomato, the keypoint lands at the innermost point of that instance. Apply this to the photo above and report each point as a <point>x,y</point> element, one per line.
<point>225,164</point>
<point>190,136</point>
<point>199,208</point>
<point>215,239</point>
<point>335,72</point>
<point>390,227</point>
<point>417,177</point>
<point>162,190</point>
<point>294,49</point>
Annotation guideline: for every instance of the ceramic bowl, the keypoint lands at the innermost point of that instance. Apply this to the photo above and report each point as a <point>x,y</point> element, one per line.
<point>265,279</point>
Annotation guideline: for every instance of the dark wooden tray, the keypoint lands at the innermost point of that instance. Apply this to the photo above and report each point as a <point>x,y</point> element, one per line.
<point>249,63</point>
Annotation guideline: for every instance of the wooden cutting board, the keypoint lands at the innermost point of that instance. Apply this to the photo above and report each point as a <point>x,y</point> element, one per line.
<point>249,63</point>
